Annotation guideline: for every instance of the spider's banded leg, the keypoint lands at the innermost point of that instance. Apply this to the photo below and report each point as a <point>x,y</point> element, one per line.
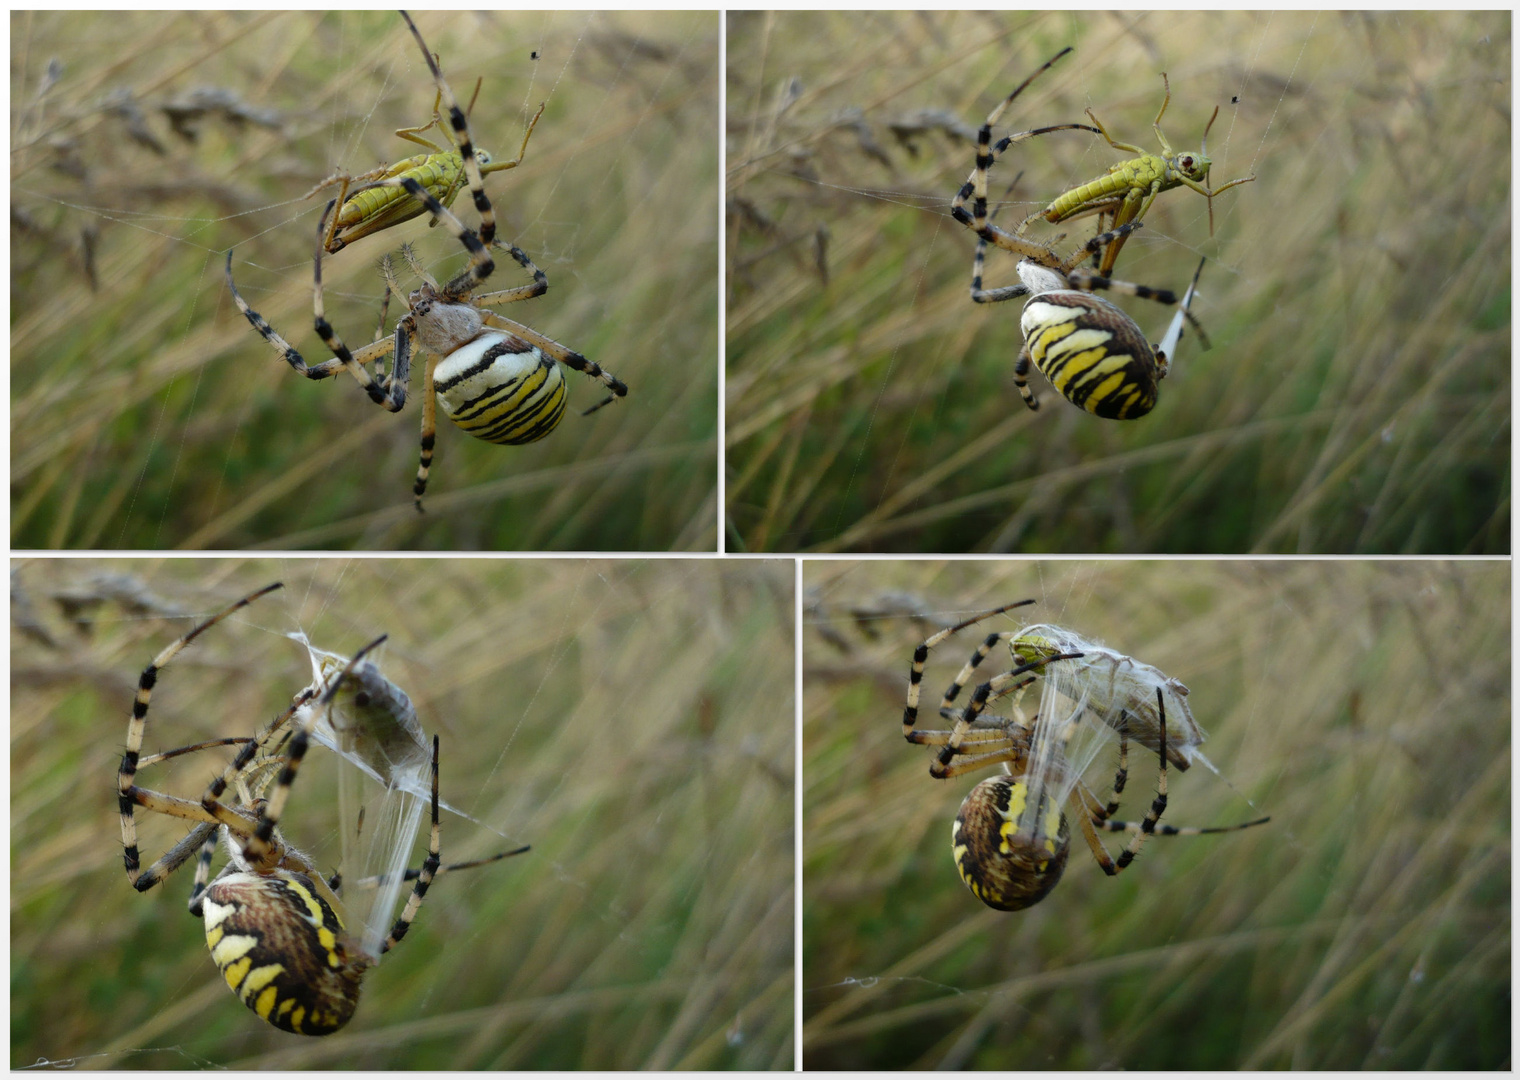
<point>1147,827</point>
<point>461,140</point>
<point>1176,830</point>
<point>969,668</point>
<point>1085,279</point>
<point>424,875</point>
<point>176,856</point>
<point>985,158</point>
<point>986,729</point>
<point>335,344</point>
<point>1121,777</point>
<point>481,264</point>
<point>259,847</point>
<point>154,759</point>
<point>399,344</point>
<point>1021,377</point>
<point>1007,682</point>
<point>429,431</point>
<point>921,657</point>
<point>202,875</point>
<point>211,799</point>
<point>1091,806</point>
<point>1097,244</point>
<point>138,723</point>
<point>412,875</point>
<point>973,762</point>
<point>522,292</point>
<point>976,185</point>
<point>286,350</point>
<point>569,357</point>
<point>980,295</point>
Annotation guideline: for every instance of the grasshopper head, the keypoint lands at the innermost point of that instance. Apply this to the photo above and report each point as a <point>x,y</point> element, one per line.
<point>1193,165</point>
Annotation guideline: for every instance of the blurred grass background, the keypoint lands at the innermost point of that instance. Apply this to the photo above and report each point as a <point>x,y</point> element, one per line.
<point>147,414</point>
<point>1364,706</point>
<point>1357,398</point>
<point>632,721</point>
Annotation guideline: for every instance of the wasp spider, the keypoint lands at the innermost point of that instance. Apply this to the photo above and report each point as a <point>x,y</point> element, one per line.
<point>1011,837</point>
<point>275,926</point>
<point>497,379</point>
<point>1090,350</point>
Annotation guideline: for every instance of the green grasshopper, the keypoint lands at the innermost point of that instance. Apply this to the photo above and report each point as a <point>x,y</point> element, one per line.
<point>1126,192</point>
<point>373,206</point>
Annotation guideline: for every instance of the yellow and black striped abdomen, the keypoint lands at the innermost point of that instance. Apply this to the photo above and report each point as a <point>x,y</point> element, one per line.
<point>1092,353</point>
<point>501,389</point>
<point>1005,870</point>
<point>283,951</point>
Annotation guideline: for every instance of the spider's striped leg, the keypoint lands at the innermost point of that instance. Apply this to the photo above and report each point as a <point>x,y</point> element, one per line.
<point>203,875</point>
<point>259,846</point>
<point>239,766</point>
<point>1097,244</point>
<point>921,657</point>
<point>980,295</point>
<point>137,725</point>
<point>286,350</point>
<point>522,292</point>
<point>342,359</point>
<point>999,686</point>
<point>429,430</point>
<point>413,875</point>
<point>976,185</point>
<point>176,856</point>
<point>569,357</point>
<point>400,346</point>
<point>462,141</point>
<point>481,264</point>
<point>424,875</point>
<point>1147,827</point>
<point>1088,281</point>
<point>396,397</point>
<point>1175,830</point>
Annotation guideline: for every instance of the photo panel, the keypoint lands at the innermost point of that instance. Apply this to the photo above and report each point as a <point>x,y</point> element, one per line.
<point>615,748</point>
<point>180,386</point>
<point>1341,381</point>
<point>1327,884</point>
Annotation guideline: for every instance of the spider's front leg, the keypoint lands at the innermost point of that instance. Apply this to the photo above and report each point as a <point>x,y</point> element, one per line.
<point>287,351</point>
<point>390,393</point>
<point>129,795</point>
<point>921,657</point>
<point>429,431</point>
